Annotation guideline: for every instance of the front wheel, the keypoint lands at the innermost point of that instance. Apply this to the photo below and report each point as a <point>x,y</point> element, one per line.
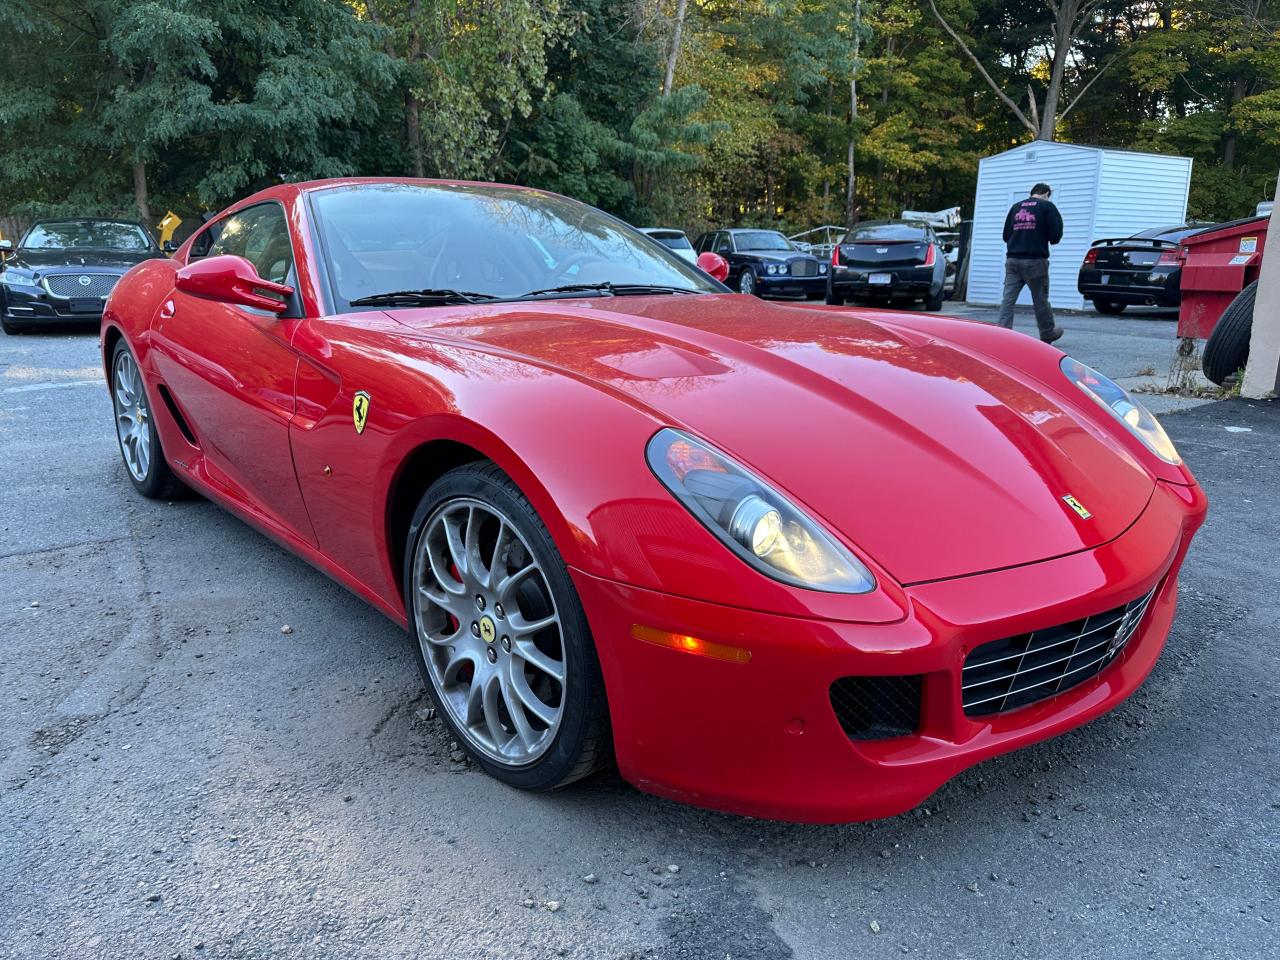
<point>503,642</point>
<point>144,460</point>
<point>747,283</point>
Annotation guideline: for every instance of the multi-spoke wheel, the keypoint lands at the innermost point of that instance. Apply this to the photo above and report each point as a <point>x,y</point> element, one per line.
<point>505,648</point>
<point>139,442</point>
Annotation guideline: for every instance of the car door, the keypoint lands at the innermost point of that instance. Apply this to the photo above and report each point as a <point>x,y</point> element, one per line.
<point>724,247</point>
<point>231,372</point>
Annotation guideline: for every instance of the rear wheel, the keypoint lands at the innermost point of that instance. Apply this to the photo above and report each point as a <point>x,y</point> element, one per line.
<point>934,302</point>
<point>504,645</point>
<point>834,299</point>
<point>1110,308</point>
<point>140,449</point>
<point>1227,349</point>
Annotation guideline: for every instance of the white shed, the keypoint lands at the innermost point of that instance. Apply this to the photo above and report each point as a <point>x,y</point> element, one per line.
<point>1100,192</point>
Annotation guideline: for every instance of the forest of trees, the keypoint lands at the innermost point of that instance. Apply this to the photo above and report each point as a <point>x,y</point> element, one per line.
<point>791,113</point>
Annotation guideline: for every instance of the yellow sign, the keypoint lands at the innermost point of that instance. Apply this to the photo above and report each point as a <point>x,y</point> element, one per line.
<point>1077,506</point>
<point>168,225</point>
<point>360,410</point>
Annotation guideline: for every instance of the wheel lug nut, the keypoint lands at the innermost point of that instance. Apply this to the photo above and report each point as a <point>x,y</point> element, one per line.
<point>491,654</point>
<point>506,644</point>
<point>479,602</point>
<point>475,629</point>
<point>497,609</point>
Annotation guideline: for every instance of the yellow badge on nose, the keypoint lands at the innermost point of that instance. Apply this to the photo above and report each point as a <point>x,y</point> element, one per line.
<point>360,410</point>
<point>1077,506</point>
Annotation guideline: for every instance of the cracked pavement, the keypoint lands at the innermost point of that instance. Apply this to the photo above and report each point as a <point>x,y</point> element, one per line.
<point>180,778</point>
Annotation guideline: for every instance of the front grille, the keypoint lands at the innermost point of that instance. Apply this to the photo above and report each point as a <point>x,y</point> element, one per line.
<point>1010,673</point>
<point>804,268</point>
<point>68,285</point>
<point>877,708</point>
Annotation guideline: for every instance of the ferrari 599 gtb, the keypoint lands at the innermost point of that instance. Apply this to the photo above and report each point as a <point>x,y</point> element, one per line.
<point>796,561</point>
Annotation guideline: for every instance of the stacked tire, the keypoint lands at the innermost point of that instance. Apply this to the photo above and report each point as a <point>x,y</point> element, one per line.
<point>1227,349</point>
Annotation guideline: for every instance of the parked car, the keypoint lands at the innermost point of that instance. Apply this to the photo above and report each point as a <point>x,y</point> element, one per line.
<point>766,263</point>
<point>889,261</point>
<point>1142,270</point>
<point>787,562</point>
<point>63,270</point>
<point>672,239</point>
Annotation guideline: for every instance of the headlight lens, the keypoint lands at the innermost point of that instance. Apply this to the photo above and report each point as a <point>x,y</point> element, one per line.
<point>11,279</point>
<point>771,268</point>
<point>822,268</point>
<point>753,520</point>
<point>1114,398</point>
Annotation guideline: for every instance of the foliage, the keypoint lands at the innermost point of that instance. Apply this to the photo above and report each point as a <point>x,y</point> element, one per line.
<point>131,106</point>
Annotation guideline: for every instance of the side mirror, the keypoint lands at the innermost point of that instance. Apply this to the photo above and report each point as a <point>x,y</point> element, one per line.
<point>714,265</point>
<point>169,247</point>
<point>232,279</point>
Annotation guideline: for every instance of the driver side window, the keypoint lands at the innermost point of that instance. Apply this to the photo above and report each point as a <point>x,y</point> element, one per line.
<point>723,244</point>
<point>260,235</point>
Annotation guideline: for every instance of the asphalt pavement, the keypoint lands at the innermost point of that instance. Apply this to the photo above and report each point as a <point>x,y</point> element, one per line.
<point>182,776</point>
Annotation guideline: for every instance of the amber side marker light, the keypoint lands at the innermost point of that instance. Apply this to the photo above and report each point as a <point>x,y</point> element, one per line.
<point>687,644</point>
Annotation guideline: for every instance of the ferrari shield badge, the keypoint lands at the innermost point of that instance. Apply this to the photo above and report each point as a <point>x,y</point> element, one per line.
<point>360,410</point>
<point>1077,506</point>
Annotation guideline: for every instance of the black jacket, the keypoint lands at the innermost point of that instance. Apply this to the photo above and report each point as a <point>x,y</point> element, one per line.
<point>1029,228</point>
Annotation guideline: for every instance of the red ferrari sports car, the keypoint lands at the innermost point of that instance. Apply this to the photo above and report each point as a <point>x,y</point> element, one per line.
<point>801,562</point>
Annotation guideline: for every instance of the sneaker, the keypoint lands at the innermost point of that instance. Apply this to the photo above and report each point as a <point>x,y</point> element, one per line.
<point>1052,335</point>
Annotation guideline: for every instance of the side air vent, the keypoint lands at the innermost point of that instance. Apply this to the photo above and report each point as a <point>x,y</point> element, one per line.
<point>178,418</point>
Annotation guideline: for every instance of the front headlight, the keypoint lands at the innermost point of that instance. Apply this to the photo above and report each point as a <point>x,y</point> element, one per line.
<point>1121,405</point>
<point>771,268</point>
<point>822,268</point>
<point>11,278</point>
<point>752,519</point>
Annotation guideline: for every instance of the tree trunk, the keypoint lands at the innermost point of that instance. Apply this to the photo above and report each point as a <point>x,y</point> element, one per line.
<point>677,34</point>
<point>1063,27</point>
<point>851,190</point>
<point>413,131</point>
<point>140,192</point>
<point>1238,91</point>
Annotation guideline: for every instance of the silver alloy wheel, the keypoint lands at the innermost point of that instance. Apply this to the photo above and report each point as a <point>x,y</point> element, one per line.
<point>489,630</point>
<point>747,282</point>
<point>133,416</point>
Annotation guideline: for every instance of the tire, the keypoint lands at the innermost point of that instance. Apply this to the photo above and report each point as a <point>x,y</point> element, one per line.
<point>934,303</point>
<point>747,282</point>
<point>834,299</point>
<point>1227,349</point>
<point>581,740</point>
<point>1109,308</point>
<point>152,477</point>
<point>9,327</point>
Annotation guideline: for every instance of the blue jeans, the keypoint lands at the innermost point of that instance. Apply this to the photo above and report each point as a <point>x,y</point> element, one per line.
<point>1035,275</point>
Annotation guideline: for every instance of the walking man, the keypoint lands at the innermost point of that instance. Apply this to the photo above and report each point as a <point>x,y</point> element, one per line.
<point>1029,228</point>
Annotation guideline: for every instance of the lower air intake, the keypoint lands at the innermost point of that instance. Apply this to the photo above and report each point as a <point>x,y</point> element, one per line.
<point>877,708</point>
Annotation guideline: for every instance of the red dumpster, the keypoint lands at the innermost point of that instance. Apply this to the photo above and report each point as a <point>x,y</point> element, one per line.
<point>1216,265</point>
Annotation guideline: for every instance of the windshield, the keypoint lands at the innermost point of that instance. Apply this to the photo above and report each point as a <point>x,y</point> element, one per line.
<point>761,240</point>
<point>494,241</point>
<point>87,234</point>
<point>885,231</point>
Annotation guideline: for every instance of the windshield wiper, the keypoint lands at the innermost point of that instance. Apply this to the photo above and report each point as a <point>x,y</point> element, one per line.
<point>610,289</point>
<point>428,297</point>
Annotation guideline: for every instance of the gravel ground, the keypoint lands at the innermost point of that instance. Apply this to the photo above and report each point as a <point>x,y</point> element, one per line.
<point>179,777</point>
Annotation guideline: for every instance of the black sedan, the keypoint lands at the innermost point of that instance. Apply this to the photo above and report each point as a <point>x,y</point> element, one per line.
<point>1142,270</point>
<point>766,263</point>
<point>62,270</point>
<point>890,261</point>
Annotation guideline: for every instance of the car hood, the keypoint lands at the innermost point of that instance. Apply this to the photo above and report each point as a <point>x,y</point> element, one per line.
<point>929,457</point>
<point>57,261</point>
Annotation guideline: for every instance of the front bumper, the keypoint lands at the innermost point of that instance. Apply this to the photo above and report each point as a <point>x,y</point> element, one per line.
<point>785,285</point>
<point>33,305</point>
<point>762,738</point>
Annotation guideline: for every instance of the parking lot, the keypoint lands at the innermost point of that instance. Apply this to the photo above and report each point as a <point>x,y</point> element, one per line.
<point>211,750</point>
